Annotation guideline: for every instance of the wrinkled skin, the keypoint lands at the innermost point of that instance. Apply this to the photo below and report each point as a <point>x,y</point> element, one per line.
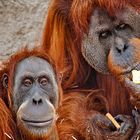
<point>111,35</point>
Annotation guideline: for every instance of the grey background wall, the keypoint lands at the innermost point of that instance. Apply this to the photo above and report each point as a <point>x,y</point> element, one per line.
<point>21,23</point>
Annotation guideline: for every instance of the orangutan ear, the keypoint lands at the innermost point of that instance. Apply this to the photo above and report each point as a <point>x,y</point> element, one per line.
<point>5,80</point>
<point>96,101</point>
<point>60,77</point>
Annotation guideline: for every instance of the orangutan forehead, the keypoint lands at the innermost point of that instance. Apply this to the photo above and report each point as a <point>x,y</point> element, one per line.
<point>100,15</point>
<point>100,20</point>
<point>127,12</point>
<point>34,65</point>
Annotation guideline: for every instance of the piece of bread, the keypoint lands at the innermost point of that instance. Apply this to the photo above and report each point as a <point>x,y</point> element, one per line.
<point>136,76</point>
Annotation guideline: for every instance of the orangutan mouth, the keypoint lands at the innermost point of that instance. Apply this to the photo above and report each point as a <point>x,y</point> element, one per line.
<point>128,71</point>
<point>39,123</point>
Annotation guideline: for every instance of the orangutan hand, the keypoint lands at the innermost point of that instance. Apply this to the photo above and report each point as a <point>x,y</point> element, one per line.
<point>126,128</point>
<point>134,91</point>
<point>107,130</point>
<point>126,123</point>
<point>102,122</point>
<point>136,135</point>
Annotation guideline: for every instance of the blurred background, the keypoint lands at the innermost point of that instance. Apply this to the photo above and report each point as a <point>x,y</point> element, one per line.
<point>21,23</point>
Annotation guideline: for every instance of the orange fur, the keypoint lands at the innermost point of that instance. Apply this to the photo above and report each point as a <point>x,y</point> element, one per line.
<point>7,124</point>
<point>78,110</point>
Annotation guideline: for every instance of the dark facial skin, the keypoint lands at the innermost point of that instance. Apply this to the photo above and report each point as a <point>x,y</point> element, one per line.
<point>123,63</point>
<point>35,96</point>
<point>107,34</point>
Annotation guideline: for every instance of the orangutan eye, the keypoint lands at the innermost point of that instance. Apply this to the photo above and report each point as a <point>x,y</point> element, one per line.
<point>27,82</point>
<point>122,26</point>
<point>105,34</point>
<point>43,81</point>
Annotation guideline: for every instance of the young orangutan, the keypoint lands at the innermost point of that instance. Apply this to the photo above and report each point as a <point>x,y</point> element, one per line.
<point>30,82</point>
<point>82,118</point>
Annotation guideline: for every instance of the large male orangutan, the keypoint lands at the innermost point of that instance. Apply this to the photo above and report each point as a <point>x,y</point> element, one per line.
<point>31,90</point>
<point>81,33</point>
